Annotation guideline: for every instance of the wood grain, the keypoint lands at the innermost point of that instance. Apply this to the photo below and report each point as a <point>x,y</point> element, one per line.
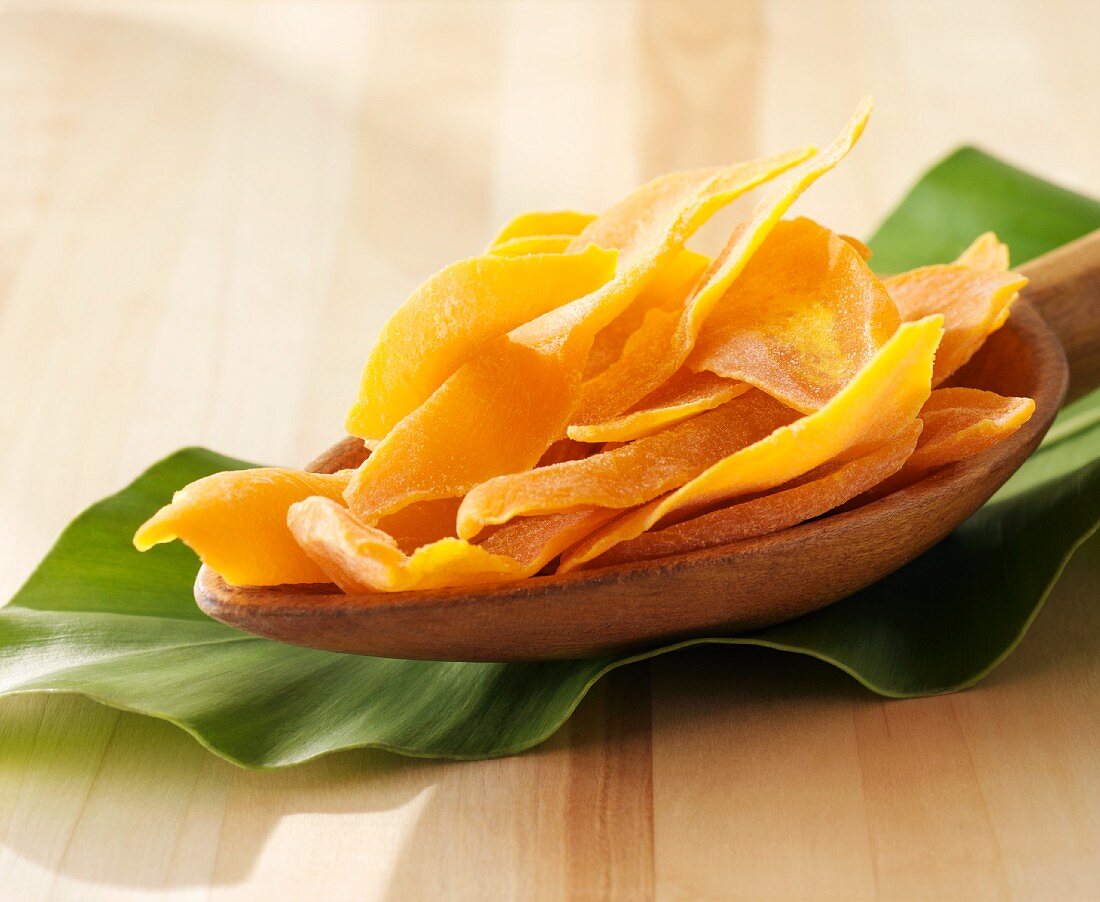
<point>1065,287</point>
<point>206,212</point>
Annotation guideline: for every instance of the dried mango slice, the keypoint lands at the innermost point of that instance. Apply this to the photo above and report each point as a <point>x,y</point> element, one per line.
<point>361,558</point>
<point>501,410</point>
<point>532,244</point>
<point>858,246</point>
<point>236,523</point>
<point>629,475</point>
<point>883,398</point>
<point>454,314</point>
<point>818,492</point>
<point>975,299</point>
<point>421,523</point>
<point>671,285</point>
<point>536,541</point>
<point>959,423</point>
<point>542,222</point>
<point>634,376</point>
<point>987,252</point>
<point>650,341</point>
<point>805,315</point>
<point>682,397</point>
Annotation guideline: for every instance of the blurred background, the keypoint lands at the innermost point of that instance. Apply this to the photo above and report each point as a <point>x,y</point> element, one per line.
<point>208,209</point>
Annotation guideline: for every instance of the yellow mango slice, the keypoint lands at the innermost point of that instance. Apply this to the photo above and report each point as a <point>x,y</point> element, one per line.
<point>668,290</point>
<point>629,475</point>
<point>883,398</point>
<point>236,523</point>
<point>539,222</point>
<point>987,252</point>
<point>501,410</point>
<point>360,558</point>
<point>532,244</point>
<point>634,376</point>
<point>682,397</point>
<point>818,492</point>
<point>959,423</point>
<point>456,312</point>
<point>975,299</point>
<point>805,315</point>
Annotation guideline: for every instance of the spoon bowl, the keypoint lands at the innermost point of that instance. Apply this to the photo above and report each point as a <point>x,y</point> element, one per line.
<point>727,589</point>
<point>723,590</point>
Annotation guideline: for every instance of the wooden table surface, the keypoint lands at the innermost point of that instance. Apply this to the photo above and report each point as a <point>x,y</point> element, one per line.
<point>206,212</point>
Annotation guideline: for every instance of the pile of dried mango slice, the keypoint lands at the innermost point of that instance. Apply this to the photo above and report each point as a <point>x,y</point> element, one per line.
<point>590,392</point>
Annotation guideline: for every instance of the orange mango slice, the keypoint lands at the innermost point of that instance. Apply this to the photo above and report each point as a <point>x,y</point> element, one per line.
<point>542,223</point>
<point>502,409</point>
<point>629,475</point>
<point>805,315</point>
<point>883,398</point>
<point>421,523</point>
<point>818,492</point>
<point>682,397</point>
<point>532,244</point>
<point>360,558</point>
<point>455,313</point>
<point>236,523</point>
<point>858,246</point>
<point>668,290</point>
<point>634,376</point>
<point>959,423</point>
<point>975,298</point>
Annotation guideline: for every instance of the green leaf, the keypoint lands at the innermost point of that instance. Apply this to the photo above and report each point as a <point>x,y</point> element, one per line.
<point>970,192</point>
<point>99,619</point>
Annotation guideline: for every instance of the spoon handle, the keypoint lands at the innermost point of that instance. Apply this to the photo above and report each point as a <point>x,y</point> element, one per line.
<point>1064,286</point>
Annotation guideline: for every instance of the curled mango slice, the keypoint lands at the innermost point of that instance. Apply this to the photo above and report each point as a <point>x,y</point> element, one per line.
<point>634,376</point>
<point>360,558</point>
<point>455,313</point>
<point>959,423</point>
<point>818,492</point>
<point>236,523</point>
<point>805,315</point>
<point>679,399</point>
<point>542,223</point>
<point>883,398</point>
<point>668,290</point>
<point>628,475</point>
<point>502,409</point>
<point>974,295</point>
<point>987,252</point>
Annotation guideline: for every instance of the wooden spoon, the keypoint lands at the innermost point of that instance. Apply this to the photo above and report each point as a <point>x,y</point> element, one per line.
<point>723,590</point>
